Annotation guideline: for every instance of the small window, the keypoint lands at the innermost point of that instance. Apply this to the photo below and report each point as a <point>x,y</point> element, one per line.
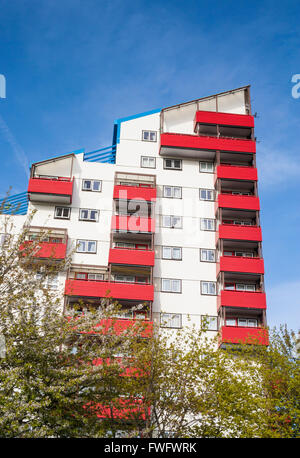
<point>124,278</point>
<point>230,322</point>
<point>245,287</point>
<point>95,277</point>
<point>88,215</point>
<point>209,288</point>
<point>208,224</point>
<point>174,222</point>
<point>148,162</point>
<point>173,191</point>
<point>173,164</point>
<point>207,194</point>
<point>124,245</point>
<point>207,255</point>
<point>170,320</point>
<point>210,323</point>
<point>149,136</point>
<point>169,285</point>
<point>169,252</point>
<point>207,167</point>
<point>86,246</point>
<point>62,212</point>
<point>91,185</point>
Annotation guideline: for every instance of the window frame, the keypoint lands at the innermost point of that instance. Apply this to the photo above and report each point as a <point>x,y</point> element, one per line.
<point>166,323</point>
<point>206,171</point>
<point>150,132</point>
<point>171,168</point>
<point>208,219</point>
<point>207,260</point>
<point>202,282</point>
<point>89,210</point>
<point>207,317</point>
<point>172,192</point>
<point>62,217</point>
<point>172,226</point>
<point>172,248</point>
<point>92,182</point>
<point>145,166</point>
<point>207,190</point>
<point>171,280</point>
<point>86,251</point>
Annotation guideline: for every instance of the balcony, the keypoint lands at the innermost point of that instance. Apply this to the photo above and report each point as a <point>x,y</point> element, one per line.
<point>242,299</point>
<point>134,193</point>
<point>240,264</point>
<point>182,145</point>
<point>45,250</point>
<point>231,172</point>
<point>239,202</point>
<point>133,224</point>
<point>131,257</point>
<point>115,290</point>
<point>53,189</point>
<point>237,232</point>
<point>126,410</point>
<point>223,119</point>
<point>240,334</point>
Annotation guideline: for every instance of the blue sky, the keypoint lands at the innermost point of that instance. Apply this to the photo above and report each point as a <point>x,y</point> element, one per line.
<point>72,67</point>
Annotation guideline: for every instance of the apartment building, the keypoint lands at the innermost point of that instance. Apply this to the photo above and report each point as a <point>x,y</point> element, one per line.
<point>168,217</point>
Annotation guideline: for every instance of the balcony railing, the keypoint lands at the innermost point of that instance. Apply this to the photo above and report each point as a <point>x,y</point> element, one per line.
<point>50,189</point>
<point>133,257</point>
<point>224,119</point>
<point>134,193</point>
<point>242,299</point>
<point>115,290</point>
<point>124,223</point>
<point>240,264</point>
<point>237,232</point>
<point>240,334</point>
<point>234,172</point>
<point>45,250</point>
<point>239,202</point>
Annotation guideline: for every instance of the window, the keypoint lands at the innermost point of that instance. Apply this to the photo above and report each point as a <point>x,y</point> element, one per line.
<point>96,277</point>
<point>91,185</point>
<point>169,285</point>
<point>210,323</point>
<point>207,255</point>
<point>246,322</point>
<point>207,224</point>
<point>207,167</point>
<point>48,281</point>
<point>148,162</point>
<point>124,278</point>
<point>88,215</point>
<point>207,194</point>
<point>149,136</point>
<point>175,222</point>
<point>208,287</point>
<point>62,212</point>
<point>170,320</point>
<point>124,245</point>
<point>86,246</point>
<point>173,191</point>
<point>169,252</point>
<point>242,287</point>
<point>173,164</point>
<point>230,322</point>
<point>4,239</point>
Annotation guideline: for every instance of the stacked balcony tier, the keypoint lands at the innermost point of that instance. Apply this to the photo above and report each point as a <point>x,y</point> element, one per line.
<point>241,334</point>
<point>53,189</point>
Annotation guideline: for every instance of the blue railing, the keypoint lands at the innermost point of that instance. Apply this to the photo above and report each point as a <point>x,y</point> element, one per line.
<point>14,205</point>
<point>107,155</point>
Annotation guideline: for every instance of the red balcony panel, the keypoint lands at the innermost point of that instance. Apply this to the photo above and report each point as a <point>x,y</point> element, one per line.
<point>238,202</point>
<point>236,232</point>
<point>242,299</point>
<point>231,172</point>
<point>133,223</point>
<point>132,257</point>
<point>47,250</point>
<point>124,409</point>
<point>206,143</point>
<point>129,370</point>
<point>134,193</point>
<point>238,334</point>
<point>143,328</point>
<point>224,119</point>
<point>240,264</point>
<point>130,291</point>
<point>51,190</point>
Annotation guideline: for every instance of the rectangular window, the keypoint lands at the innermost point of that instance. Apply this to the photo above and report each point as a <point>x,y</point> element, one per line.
<point>207,167</point>
<point>62,212</point>
<point>207,194</point>
<point>169,285</point>
<point>124,278</point>
<point>124,245</point>
<point>4,239</point>
<point>169,252</point>
<point>210,323</point>
<point>173,164</point>
<point>91,185</point>
<point>242,287</point>
<point>170,320</point>
<point>230,322</point>
<point>207,255</point>
<point>88,215</point>
<point>207,224</point>
<point>173,191</point>
<point>209,287</point>
<point>96,277</point>
<point>86,246</point>
<point>174,222</point>
<point>149,136</point>
<point>148,162</point>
